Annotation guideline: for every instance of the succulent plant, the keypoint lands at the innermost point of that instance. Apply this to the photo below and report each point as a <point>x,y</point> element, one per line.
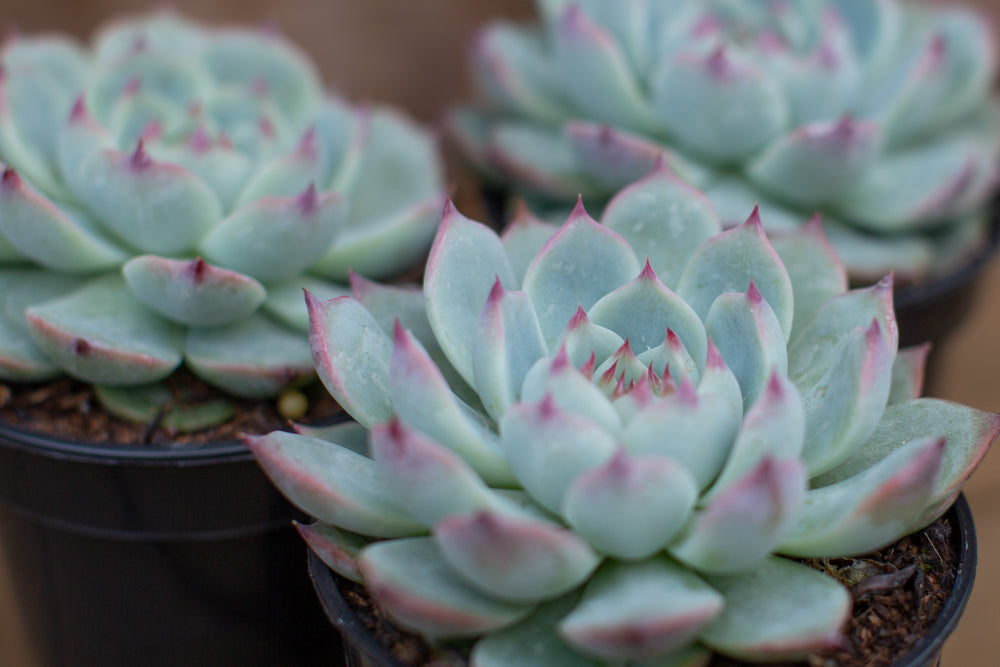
<point>878,114</point>
<point>168,192</point>
<point>588,444</point>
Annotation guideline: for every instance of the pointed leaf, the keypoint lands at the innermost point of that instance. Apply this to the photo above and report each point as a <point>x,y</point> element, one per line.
<point>421,592</point>
<point>908,373</point>
<point>536,157</point>
<point>610,158</point>
<point>286,304</point>
<point>571,390</point>
<point>20,358</point>
<point>524,236</point>
<point>349,434</point>
<point>338,549</point>
<point>631,507</point>
<point>331,483</point>
<point>582,338</point>
<point>640,610</point>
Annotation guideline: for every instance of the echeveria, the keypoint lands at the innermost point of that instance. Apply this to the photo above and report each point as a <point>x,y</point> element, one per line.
<point>602,441</point>
<point>168,191</point>
<point>879,114</point>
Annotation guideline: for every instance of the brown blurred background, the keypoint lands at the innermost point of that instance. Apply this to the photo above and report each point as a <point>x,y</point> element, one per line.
<point>410,53</point>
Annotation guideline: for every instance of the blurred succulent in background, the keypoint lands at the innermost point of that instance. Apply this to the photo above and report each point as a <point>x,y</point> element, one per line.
<point>592,440</point>
<point>167,193</point>
<point>878,114</point>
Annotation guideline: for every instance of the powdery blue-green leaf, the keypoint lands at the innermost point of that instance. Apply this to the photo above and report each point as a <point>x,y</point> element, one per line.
<point>782,610</point>
<point>286,303</point>
<point>276,238</point>
<point>673,357</point>
<point>845,405</point>
<point>254,358</point>
<point>290,174</point>
<point>816,272</point>
<point>352,355</point>
<point>337,549</point>
<point>611,158</point>
<point>464,263</point>
<point>632,506</point>
<point>427,478</point>
<point>348,434</point>
<point>38,229</point>
<point>643,310</point>
<point>583,339</point>
<point>421,592</point>
<point>20,358</point>
<point>749,336</point>
<point>523,237</point>
<point>664,219</point>
<point>871,509</point>
<point>102,334</point>
<point>729,108</point>
<point>224,168</point>
<point>538,158</point>
<point>908,373</point>
<point>548,447</point>
<point>593,73</point>
<point>193,292</point>
<point>422,399</point>
<point>515,558</point>
<point>331,483</point>
<point>728,262</point>
<point>640,610</point>
<point>815,163</point>
<point>740,527</point>
<point>508,343</point>
<point>565,276</point>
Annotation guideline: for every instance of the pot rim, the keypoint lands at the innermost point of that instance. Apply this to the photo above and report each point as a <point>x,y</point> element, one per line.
<point>923,654</point>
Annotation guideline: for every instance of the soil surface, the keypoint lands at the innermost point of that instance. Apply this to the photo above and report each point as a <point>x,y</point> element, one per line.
<point>898,593</point>
<point>68,409</point>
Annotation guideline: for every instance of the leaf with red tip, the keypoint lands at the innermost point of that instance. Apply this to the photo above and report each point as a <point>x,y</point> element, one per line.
<point>427,478</point>
<point>193,292</point>
<point>782,610</point>
<point>571,390</point>
<point>694,99</point>
<point>538,158</point>
<point>631,506</point>
<point>548,447</point>
<point>815,346</point>
<point>348,434</point>
<point>664,219</point>
<point>749,337</point>
<point>613,159</point>
<point>742,525</point>
<point>816,163</point>
<point>224,168</point>
<point>39,229</point>
<point>331,483</point>
<point>383,247</point>
<point>508,343</point>
<point>255,357</point>
<point>422,400</point>
<point>845,405</point>
<point>728,262</point>
<point>352,355</point>
<point>672,356</point>
<point>816,272</point>
<point>464,263</point>
<point>288,175</point>
<point>640,610</point>
<point>619,371</point>
<point>871,509</point>
<point>908,373</point>
<point>584,340</point>
<point>102,334</point>
<point>514,558</point>
<point>507,64</point>
<point>277,238</point>
<point>773,428</point>
<point>285,303</point>
<point>21,359</point>
<point>579,265</point>
<point>421,592</point>
<point>524,237</point>
<point>968,432</point>
<point>594,75</point>
<point>337,549</point>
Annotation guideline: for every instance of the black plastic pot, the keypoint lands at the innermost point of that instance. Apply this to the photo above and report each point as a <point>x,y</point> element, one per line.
<point>133,556</point>
<point>361,649</point>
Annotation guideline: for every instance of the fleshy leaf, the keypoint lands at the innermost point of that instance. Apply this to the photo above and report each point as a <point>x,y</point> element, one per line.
<point>513,558</point>
<point>631,507</point>
<point>338,549</point>
<point>728,262</point>
<point>780,611</point>
<point>610,158</point>
<point>908,373</point>
<point>524,236</point>
<point>562,279</point>
<point>193,292</point>
<point>421,592</point>
<point>331,483</point>
<point>741,526</point>
<point>663,218</point>
<point>104,335</point>
<point>20,358</point>
<point>640,610</point>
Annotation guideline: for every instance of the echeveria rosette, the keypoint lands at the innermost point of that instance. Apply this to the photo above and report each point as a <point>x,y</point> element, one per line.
<point>877,114</point>
<point>595,440</point>
<point>168,192</point>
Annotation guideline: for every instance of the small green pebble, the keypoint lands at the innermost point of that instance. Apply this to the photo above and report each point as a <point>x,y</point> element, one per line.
<point>292,404</point>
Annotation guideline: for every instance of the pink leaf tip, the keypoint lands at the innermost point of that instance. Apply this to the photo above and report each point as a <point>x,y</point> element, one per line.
<point>140,158</point>
<point>10,180</point>
<point>307,203</point>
